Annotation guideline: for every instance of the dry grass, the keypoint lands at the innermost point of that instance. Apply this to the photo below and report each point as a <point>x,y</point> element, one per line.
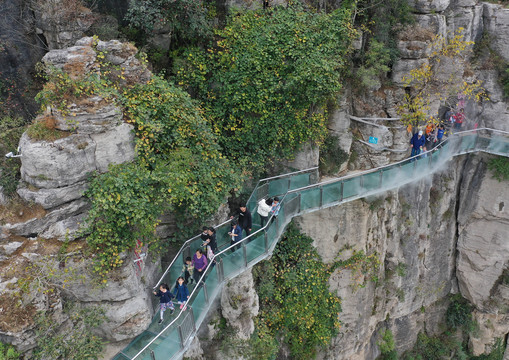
<point>416,33</point>
<point>19,211</point>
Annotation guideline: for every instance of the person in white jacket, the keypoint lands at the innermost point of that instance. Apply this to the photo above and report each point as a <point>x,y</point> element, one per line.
<point>264,207</point>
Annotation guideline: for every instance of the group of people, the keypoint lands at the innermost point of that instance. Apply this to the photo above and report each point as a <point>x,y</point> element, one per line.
<point>433,134</point>
<point>193,268</point>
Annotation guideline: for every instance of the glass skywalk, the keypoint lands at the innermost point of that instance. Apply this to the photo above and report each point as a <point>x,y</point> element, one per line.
<point>300,194</point>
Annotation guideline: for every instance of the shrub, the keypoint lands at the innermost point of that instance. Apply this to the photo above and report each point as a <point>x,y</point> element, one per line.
<point>11,129</point>
<point>331,155</point>
<point>297,306</point>
<point>8,352</point>
<point>499,167</point>
<point>387,346</point>
<point>266,80</point>
<point>459,313</point>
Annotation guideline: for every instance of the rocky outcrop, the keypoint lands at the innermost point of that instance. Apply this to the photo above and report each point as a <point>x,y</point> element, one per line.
<point>239,304</point>
<point>483,250</point>
<point>61,22</point>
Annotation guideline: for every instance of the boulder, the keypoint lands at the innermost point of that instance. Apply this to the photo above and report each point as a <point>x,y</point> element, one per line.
<point>75,60</point>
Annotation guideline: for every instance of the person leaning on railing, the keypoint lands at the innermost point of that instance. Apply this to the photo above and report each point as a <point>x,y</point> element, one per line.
<point>264,208</point>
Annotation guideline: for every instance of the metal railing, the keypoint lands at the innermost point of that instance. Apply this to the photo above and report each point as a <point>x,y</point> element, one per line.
<point>173,340</point>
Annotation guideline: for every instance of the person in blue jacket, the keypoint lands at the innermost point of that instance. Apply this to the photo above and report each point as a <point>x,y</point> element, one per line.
<point>235,234</point>
<point>165,302</point>
<point>416,143</point>
<point>181,292</point>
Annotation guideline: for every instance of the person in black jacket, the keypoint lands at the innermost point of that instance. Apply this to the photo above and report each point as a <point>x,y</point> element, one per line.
<point>165,302</point>
<point>245,219</point>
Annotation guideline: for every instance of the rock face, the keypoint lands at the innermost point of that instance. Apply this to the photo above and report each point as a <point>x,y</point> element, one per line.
<point>483,250</point>
<point>239,304</point>
<point>56,171</point>
<point>54,176</point>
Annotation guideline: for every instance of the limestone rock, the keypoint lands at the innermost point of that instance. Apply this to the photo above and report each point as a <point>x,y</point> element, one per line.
<point>491,327</point>
<point>431,6</point>
<point>64,230</point>
<point>61,22</point>
<point>468,18</point>
<point>496,24</point>
<point>60,163</point>
<point>195,352</point>
<point>239,304</point>
<point>50,198</point>
<point>36,226</point>
<point>93,115</point>
<point>484,225</point>
<point>75,60</point>
<point>3,198</point>
<point>413,49</point>
<point>402,68</point>
<point>114,147</point>
<point>434,24</point>
<point>305,158</point>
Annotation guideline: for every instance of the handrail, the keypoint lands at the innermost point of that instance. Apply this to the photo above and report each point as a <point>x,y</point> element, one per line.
<point>299,193</point>
<point>188,241</point>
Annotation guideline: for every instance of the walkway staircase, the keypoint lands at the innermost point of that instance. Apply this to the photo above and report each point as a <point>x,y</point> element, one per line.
<point>300,194</point>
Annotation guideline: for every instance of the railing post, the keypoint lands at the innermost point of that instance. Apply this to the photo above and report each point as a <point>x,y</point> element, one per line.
<point>289,183</point>
<point>430,155</point>
<point>321,196</point>
<point>341,191</point>
<point>380,181</point>
<point>244,252</point>
<point>205,292</point>
<point>361,181</point>
<point>181,336</point>
<point>191,313</point>
<point>220,273</point>
<point>266,240</point>
<point>300,198</point>
<point>152,355</point>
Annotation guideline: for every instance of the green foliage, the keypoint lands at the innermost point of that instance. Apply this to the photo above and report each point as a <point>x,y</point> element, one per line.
<point>186,19</point>
<point>262,344</point>
<point>179,167</point>
<point>8,352</point>
<point>266,80</point>
<point>459,314</point>
<point>401,269</point>
<point>364,268</point>
<point>125,205</point>
<point>500,168</point>
<point>331,155</point>
<point>11,129</point>
<point>387,346</point>
<point>375,64</point>
<point>295,300</point>
<point>77,341</point>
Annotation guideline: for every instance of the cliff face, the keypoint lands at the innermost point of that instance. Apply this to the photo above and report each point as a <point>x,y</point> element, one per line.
<point>431,237</point>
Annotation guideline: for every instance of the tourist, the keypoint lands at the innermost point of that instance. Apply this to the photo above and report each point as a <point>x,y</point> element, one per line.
<point>211,241</point>
<point>235,234</point>
<point>245,219</point>
<point>200,264</point>
<point>275,206</point>
<point>181,292</point>
<point>460,117</point>
<point>165,302</point>
<point>417,143</point>
<point>264,207</point>
<point>187,269</point>
<point>440,133</point>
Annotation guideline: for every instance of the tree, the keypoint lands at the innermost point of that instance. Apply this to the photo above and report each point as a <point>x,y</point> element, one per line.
<point>434,80</point>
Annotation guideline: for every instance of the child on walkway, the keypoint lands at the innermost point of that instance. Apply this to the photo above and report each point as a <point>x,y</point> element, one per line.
<point>188,269</point>
<point>165,297</point>
<point>181,292</point>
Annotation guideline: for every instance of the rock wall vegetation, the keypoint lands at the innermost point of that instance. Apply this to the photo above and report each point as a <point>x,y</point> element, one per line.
<point>266,84</point>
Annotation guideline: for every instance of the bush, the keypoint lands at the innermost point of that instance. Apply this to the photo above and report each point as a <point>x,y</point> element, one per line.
<point>331,156</point>
<point>500,168</point>
<point>297,305</point>
<point>8,352</point>
<point>387,346</point>
<point>459,314</point>
<point>268,78</point>
<point>11,129</point>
